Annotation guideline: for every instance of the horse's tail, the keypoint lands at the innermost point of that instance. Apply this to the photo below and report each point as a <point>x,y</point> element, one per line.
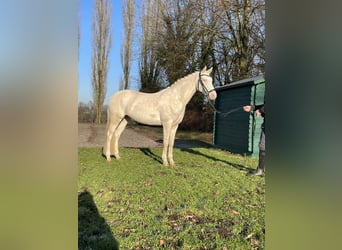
<point>107,117</point>
<point>104,148</point>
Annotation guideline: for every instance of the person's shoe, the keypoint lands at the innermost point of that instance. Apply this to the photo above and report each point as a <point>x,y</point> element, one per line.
<point>257,172</point>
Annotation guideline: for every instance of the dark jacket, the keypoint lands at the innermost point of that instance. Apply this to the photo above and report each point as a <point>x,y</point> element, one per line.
<point>261,108</point>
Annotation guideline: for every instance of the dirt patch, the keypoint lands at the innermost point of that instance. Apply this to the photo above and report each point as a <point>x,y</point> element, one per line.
<point>93,135</point>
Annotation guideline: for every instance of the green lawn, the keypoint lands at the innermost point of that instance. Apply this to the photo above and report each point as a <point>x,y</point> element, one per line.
<point>204,137</point>
<point>204,202</point>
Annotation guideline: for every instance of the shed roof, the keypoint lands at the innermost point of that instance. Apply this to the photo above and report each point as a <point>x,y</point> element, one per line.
<point>244,82</point>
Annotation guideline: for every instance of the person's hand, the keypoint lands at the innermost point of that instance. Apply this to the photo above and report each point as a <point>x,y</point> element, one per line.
<point>247,108</point>
<point>257,112</point>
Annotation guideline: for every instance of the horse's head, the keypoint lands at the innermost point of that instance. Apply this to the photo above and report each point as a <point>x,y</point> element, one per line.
<point>205,83</point>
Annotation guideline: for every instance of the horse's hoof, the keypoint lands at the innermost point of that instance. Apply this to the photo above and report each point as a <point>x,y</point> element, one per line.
<point>109,160</point>
<point>117,157</point>
<point>166,164</point>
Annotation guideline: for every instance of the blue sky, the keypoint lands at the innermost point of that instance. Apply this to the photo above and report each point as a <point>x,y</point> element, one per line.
<point>115,71</point>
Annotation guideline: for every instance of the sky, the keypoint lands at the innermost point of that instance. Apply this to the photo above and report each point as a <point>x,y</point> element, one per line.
<point>115,70</point>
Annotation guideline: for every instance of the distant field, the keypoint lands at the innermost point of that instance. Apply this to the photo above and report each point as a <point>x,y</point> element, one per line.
<point>204,202</point>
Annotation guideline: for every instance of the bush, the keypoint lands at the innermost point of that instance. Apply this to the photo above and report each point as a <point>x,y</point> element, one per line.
<point>201,121</point>
<point>86,113</point>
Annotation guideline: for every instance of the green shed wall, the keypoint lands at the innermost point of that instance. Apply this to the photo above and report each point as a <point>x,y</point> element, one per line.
<point>239,132</point>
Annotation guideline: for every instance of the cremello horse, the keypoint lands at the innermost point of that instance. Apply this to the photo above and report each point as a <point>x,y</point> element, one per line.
<point>166,108</point>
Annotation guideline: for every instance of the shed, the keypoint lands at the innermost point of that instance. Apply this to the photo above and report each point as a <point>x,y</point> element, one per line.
<point>238,132</point>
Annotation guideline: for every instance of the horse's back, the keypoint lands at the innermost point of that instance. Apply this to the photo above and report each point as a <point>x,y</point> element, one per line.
<point>129,97</point>
<point>141,107</point>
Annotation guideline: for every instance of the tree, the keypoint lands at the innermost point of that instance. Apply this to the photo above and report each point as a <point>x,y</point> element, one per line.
<point>177,38</point>
<point>226,34</point>
<point>240,42</point>
<point>128,13</point>
<point>102,42</point>
<point>149,66</point>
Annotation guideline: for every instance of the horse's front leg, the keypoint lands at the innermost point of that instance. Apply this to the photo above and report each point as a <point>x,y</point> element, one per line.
<point>166,137</point>
<point>171,143</point>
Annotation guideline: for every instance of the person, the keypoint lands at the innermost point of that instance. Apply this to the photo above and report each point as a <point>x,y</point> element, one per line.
<point>259,110</point>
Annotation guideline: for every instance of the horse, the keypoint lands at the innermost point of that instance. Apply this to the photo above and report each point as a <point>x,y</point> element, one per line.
<point>165,108</point>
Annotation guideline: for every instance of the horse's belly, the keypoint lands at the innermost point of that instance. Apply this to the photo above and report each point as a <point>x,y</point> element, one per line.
<point>146,118</point>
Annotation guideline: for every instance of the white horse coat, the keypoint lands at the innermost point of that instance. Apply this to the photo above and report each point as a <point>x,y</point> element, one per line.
<point>165,108</point>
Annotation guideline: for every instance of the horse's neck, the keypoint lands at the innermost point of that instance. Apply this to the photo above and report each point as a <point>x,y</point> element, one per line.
<point>186,87</point>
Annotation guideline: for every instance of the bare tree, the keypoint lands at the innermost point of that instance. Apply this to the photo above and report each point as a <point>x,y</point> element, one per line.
<point>149,66</point>
<point>240,38</point>
<point>226,34</point>
<point>102,42</point>
<point>232,37</point>
<point>177,38</point>
<point>128,13</point>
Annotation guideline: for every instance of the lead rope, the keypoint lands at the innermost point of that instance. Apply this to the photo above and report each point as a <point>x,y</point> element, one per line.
<point>224,113</point>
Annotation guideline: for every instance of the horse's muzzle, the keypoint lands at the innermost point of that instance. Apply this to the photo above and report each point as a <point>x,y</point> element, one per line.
<point>212,94</point>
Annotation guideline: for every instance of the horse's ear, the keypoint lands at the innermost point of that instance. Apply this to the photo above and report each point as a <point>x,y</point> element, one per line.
<point>209,70</point>
<point>204,69</point>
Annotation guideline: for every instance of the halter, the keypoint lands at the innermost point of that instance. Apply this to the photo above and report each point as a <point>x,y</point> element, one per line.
<point>207,92</point>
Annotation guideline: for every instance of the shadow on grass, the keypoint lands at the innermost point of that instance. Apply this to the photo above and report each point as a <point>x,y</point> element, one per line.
<point>149,153</point>
<point>157,158</point>
<point>181,143</point>
<point>235,165</point>
<point>93,231</point>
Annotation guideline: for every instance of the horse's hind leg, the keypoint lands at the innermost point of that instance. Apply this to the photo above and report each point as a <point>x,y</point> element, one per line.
<point>112,126</point>
<point>117,133</point>
<point>107,147</point>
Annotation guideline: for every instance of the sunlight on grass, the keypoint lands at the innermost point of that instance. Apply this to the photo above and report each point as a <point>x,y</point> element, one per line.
<point>204,202</point>
<point>185,135</point>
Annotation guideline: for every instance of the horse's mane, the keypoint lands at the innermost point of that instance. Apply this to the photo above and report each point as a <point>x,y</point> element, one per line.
<point>182,79</point>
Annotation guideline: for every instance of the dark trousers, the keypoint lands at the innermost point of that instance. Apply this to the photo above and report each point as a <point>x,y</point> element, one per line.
<point>262,150</point>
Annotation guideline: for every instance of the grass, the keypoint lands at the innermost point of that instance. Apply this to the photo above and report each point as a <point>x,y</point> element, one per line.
<point>205,137</point>
<point>205,202</point>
